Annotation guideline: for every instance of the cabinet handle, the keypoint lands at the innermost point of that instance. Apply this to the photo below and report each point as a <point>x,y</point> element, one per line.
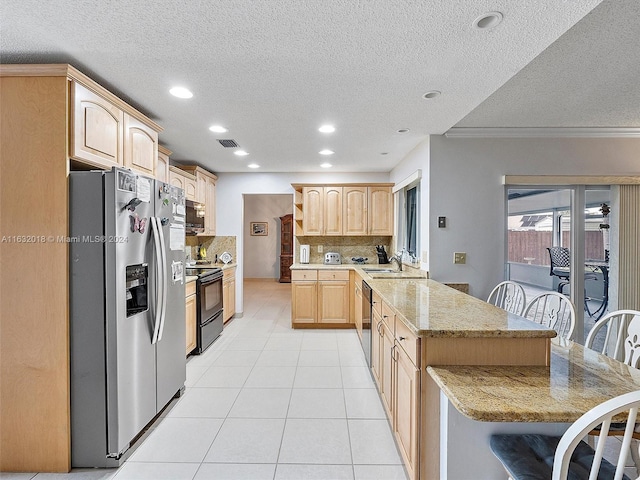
<point>393,357</point>
<point>402,338</point>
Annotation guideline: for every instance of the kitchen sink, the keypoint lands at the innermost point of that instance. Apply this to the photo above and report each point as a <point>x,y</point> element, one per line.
<point>379,270</point>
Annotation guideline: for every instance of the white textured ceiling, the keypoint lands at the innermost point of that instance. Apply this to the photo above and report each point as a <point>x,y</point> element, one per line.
<point>272,71</point>
<point>590,77</point>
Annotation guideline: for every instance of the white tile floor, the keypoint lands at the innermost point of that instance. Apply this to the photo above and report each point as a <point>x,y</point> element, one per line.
<point>267,402</point>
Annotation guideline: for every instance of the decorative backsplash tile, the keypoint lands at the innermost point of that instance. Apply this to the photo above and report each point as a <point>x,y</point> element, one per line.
<point>347,247</point>
<point>213,245</point>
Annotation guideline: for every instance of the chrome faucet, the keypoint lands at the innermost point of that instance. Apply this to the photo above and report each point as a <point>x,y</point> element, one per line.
<point>398,258</point>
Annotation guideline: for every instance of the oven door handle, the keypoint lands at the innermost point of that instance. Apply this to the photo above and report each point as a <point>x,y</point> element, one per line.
<point>165,286</point>
<point>159,283</point>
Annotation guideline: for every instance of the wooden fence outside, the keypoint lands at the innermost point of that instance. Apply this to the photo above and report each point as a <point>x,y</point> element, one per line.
<point>531,246</point>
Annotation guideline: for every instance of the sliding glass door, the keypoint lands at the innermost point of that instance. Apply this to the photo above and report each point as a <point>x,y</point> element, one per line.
<point>549,231</point>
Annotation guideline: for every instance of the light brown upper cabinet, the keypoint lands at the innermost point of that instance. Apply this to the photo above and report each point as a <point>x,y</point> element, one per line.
<point>332,211</point>
<point>205,193</point>
<point>343,209</point>
<point>380,204</point>
<point>354,211</point>
<point>183,180</point>
<point>140,146</point>
<point>162,165</point>
<point>313,210</point>
<point>97,128</point>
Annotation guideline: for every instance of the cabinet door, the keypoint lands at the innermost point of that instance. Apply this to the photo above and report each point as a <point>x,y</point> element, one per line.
<point>210,207</point>
<point>358,307</point>
<point>140,146</point>
<point>376,347</point>
<point>406,418</point>
<point>333,299</point>
<point>162,167</point>
<point>190,319</point>
<point>312,210</point>
<point>190,188</point>
<point>226,297</point>
<point>380,205</point>
<point>304,302</point>
<point>332,220</point>
<point>232,296</point>
<point>354,211</point>
<point>97,128</point>
<point>386,369</point>
<point>176,180</point>
<point>201,189</point>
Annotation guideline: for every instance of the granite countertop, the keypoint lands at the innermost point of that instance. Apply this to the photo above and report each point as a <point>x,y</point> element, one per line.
<point>431,309</point>
<point>577,380</point>
<point>190,278</point>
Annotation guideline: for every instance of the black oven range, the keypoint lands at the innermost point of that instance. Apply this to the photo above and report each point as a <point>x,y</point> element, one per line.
<point>209,318</point>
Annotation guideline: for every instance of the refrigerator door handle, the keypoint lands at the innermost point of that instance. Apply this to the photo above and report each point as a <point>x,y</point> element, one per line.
<point>165,285</point>
<point>159,284</point>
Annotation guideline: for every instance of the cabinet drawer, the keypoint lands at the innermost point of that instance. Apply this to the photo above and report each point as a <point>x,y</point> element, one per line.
<point>388,316</point>
<point>297,275</point>
<point>228,273</point>
<point>342,275</point>
<point>377,303</point>
<point>408,341</point>
<point>190,289</point>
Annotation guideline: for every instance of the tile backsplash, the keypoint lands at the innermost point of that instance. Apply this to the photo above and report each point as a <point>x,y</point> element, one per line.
<point>347,247</point>
<point>214,246</point>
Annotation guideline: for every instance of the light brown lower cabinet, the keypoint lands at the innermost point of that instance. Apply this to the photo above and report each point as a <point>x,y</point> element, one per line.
<point>320,297</point>
<point>229,294</point>
<point>190,317</point>
<point>398,380</point>
<point>406,408</point>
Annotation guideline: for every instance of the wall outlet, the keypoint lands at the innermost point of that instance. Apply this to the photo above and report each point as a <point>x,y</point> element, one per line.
<point>320,249</point>
<point>460,258</point>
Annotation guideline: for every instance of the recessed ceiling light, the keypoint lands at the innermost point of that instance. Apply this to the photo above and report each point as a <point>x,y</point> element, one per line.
<point>403,130</point>
<point>218,129</point>
<point>326,151</point>
<point>180,92</point>
<point>253,165</point>
<point>488,20</point>
<point>327,129</point>
<point>241,153</point>
<point>326,165</point>
<point>431,94</point>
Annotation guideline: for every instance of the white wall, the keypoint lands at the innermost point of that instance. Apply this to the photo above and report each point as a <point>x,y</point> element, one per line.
<point>466,187</point>
<point>262,253</point>
<point>417,159</point>
<point>231,187</point>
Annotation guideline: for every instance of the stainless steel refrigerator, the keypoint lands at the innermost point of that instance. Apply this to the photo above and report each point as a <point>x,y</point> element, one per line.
<point>127,309</point>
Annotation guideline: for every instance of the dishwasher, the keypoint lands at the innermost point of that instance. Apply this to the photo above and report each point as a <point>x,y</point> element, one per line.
<point>367,306</point>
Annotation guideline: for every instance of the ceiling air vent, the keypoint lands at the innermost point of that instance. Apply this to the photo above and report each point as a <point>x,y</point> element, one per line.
<point>228,143</point>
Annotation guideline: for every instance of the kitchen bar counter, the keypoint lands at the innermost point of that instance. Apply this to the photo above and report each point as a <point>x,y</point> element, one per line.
<point>431,309</point>
<point>578,380</point>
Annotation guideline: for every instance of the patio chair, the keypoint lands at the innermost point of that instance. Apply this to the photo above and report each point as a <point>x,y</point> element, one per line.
<point>509,296</point>
<point>625,326</point>
<point>560,258</point>
<point>553,310</point>
<point>532,456</point>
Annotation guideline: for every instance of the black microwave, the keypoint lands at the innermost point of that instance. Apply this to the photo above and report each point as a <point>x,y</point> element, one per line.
<point>194,222</point>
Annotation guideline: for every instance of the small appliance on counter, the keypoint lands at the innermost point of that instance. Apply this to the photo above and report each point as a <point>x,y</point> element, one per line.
<point>304,253</point>
<point>359,260</point>
<point>332,258</point>
<point>382,254</point>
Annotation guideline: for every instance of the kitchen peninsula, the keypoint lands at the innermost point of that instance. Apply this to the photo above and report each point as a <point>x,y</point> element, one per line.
<point>416,323</point>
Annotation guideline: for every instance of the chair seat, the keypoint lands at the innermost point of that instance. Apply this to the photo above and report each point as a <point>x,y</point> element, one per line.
<point>530,457</point>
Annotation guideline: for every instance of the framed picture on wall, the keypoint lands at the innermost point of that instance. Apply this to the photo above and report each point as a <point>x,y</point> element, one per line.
<point>259,228</point>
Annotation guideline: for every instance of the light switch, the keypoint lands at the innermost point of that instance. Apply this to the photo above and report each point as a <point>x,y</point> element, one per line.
<point>460,258</point>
